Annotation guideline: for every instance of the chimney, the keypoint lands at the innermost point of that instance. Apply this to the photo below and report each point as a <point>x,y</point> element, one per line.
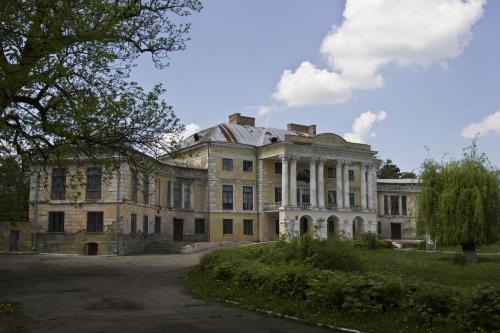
<point>308,129</point>
<point>237,118</point>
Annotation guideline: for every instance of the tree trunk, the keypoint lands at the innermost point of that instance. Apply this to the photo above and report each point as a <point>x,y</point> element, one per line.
<point>469,250</point>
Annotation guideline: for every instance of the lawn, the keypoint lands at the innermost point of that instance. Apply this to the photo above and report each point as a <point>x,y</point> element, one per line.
<point>344,285</point>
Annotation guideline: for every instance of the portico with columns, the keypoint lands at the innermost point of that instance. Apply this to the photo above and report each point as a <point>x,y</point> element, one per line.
<point>327,187</point>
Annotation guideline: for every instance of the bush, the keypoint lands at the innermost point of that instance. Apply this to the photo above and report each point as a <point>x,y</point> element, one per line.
<point>481,309</point>
<point>335,255</point>
<point>459,259</point>
<point>356,293</point>
<point>422,245</point>
<point>371,241</point>
<point>386,244</point>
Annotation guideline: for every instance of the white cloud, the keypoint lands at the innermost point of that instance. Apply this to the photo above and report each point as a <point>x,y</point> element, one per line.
<point>362,126</point>
<point>376,33</point>
<point>189,130</point>
<point>490,124</point>
<point>310,85</point>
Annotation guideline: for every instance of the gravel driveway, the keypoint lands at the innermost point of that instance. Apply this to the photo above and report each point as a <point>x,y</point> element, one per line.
<point>99,294</point>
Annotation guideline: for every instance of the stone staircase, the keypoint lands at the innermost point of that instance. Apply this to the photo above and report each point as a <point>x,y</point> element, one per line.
<point>164,247</point>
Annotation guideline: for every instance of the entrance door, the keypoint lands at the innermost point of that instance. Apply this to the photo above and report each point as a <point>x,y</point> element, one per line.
<point>92,249</point>
<point>178,230</point>
<point>304,227</point>
<point>395,230</point>
<point>14,240</point>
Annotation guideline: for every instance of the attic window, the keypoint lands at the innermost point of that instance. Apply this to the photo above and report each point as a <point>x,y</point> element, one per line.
<point>274,139</point>
<point>196,137</point>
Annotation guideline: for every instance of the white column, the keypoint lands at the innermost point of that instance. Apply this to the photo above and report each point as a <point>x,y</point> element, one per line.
<point>171,189</point>
<point>191,196</point>
<point>293,181</point>
<point>370,187</point>
<point>339,184</point>
<point>346,185</point>
<point>183,194</point>
<point>284,182</point>
<point>312,182</point>
<point>389,204</point>
<point>363,186</point>
<point>400,205</point>
<point>321,184</point>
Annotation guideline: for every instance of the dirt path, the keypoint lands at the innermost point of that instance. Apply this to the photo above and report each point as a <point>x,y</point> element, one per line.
<point>120,294</point>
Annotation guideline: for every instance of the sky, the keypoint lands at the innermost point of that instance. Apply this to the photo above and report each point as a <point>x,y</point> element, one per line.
<point>415,79</point>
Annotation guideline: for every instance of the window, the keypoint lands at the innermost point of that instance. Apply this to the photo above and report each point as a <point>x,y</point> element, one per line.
<point>56,221</point>
<point>227,164</point>
<point>332,172</point>
<point>227,226</point>
<point>157,225</point>
<point>351,199</point>
<point>386,205</point>
<point>227,196</point>
<point>278,168</point>
<point>277,227</point>
<point>145,190</point>
<point>247,227</point>
<point>247,198</point>
<point>248,166</point>
<point>93,187</point>
<point>394,205</point>
<point>351,174</point>
<point>169,194</point>
<point>133,223</point>
<point>187,195</point>
<point>58,188</point>
<point>177,194</point>
<point>134,187</point>
<point>199,226</point>
<point>332,198</point>
<point>95,222</point>
<point>379,228</point>
<point>145,224</point>
<point>403,205</point>
<point>277,194</point>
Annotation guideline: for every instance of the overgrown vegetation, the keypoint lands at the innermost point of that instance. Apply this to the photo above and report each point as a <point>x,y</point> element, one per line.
<point>338,283</point>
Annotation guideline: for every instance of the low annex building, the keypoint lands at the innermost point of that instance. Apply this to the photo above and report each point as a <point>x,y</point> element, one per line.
<point>230,182</point>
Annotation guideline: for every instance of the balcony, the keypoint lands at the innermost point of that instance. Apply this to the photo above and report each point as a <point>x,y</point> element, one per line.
<point>271,207</point>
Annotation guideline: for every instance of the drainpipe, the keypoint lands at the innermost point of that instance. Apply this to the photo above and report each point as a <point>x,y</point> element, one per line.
<point>118,181</point>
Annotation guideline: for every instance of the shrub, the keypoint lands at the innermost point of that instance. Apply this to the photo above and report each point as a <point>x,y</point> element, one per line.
<point>335,255</point>
<point>481,309</point>
<point>7,309</point>
<point>430,304</point>
<point>459,259</point>
<point>422,245</point>
<point>356,293</point>
<point>371,241</point>
<point>386,244</point>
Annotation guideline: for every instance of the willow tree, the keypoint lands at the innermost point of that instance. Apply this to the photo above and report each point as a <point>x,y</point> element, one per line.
<point>460,201</point>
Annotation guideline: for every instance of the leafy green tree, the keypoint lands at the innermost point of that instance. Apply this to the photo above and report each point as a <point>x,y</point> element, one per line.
<point>388,170</point>
<point>64,75</point>
<point>460,201</point>
<point>408,175</point>
<point>14,191</point>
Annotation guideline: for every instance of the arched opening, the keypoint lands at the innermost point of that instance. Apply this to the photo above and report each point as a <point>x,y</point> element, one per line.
<point>305,224</point>
<point>333,226</point>
<point>358,227</point>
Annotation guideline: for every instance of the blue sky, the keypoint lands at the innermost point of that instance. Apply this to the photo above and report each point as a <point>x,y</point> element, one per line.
<point>424,79</point>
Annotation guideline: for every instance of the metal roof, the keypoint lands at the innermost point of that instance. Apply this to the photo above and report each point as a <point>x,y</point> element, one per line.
<point>239,134</point>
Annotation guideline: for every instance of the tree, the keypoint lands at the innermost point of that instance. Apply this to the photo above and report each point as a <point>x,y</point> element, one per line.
<point>388,170</point>
<point>14,191</point>
<point>460,201</point>
<point>64,76</point>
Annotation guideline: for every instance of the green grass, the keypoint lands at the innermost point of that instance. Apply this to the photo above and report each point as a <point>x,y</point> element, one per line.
<point>434,267</point>
<point>428,267</point>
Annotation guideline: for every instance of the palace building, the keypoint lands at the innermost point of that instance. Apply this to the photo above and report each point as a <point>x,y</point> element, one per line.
<point>230,182</point>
